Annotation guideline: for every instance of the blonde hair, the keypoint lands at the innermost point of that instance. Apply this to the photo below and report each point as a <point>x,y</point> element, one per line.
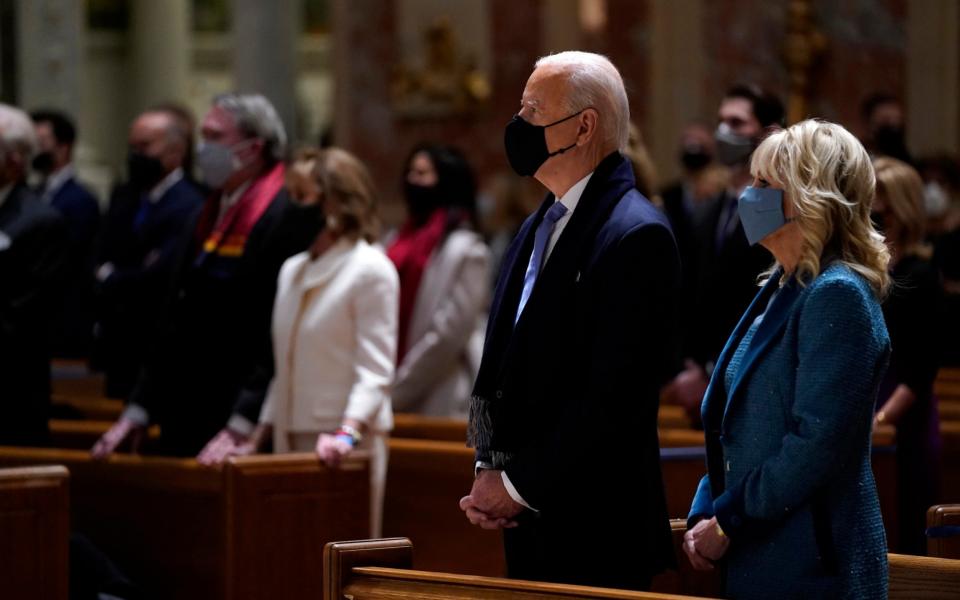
<point>828,177</point>
<point>644,171</point>
<point>349,196</point>
<point>902,189</point>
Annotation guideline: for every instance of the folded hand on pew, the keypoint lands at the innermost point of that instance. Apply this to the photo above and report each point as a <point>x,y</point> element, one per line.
<point>225,444</point>
<point>121,431</point>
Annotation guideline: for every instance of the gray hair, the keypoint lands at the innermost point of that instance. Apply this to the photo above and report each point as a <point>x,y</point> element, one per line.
<point>594,82</point>
<point>16,134</point>
<point>256,118</point>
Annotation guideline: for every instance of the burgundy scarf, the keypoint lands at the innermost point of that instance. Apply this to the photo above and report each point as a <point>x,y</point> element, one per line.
<point>411,252</point>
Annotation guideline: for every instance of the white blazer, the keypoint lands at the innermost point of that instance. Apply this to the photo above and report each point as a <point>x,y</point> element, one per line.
<point>447,326</point>
<point>334,342</point>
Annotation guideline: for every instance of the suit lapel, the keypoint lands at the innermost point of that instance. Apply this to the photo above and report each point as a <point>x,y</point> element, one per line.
<point>774,321</point>
<point>611,179</point>
<point>714,397</point>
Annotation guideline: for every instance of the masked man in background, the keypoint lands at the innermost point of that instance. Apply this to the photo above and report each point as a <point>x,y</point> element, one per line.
<point>209,366</point>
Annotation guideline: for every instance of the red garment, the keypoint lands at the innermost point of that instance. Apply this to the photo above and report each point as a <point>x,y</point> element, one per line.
<point>229,236</point>
<point>411,252</point>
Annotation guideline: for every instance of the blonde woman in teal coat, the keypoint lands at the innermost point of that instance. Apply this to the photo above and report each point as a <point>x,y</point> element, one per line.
<point>788,508</point>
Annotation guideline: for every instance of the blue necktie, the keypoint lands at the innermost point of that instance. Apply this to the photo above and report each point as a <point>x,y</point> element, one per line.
<point>540,239</point>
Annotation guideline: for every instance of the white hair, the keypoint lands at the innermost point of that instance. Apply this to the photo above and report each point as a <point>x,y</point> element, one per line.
<point>16,134</point>
<point>595,83</point>
<point>256,117</point>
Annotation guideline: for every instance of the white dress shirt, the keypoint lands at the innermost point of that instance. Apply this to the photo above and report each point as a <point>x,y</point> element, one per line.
<point>163,186</point>
<point>571,199</point>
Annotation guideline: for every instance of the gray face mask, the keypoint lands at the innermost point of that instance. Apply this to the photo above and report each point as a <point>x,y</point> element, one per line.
<point>936,201</point>
<point>732,149</point>
<point>217,162</point>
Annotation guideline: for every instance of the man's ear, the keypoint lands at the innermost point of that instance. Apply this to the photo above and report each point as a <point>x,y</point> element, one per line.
<point>588,122</point>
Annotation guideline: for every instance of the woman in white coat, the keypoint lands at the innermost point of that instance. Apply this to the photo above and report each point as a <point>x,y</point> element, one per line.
<point>335,328</point>
<point>444,268</point>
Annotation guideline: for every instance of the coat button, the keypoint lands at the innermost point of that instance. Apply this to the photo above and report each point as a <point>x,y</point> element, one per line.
<point>499,394</point>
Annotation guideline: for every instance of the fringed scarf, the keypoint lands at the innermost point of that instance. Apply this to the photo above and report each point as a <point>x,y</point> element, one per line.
<point>229,237</point>
<point>411,252</point>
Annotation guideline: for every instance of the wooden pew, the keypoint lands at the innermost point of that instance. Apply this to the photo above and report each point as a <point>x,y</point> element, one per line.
<point>425,481</point>
<point>73,378</point>
<point>427,478</point>
<point>419,427</point>
<point>86,407</point>
<point>253,529</point>
<point>74,434</point>
<point>943,531</point>
<point>950,462</point>
<point>34,532</point>
<point>380,569</point>
<point>947,384</point>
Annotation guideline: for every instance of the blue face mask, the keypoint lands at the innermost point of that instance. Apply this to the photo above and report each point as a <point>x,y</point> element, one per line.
<point>761,212</point>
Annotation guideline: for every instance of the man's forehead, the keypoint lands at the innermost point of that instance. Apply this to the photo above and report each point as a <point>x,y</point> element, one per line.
<point>545,86</point>
<point>218,118</point>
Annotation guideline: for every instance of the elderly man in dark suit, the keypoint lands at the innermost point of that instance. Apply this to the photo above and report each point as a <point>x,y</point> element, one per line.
<point>56,136</point>
<point>33,249</point>
<point>580,339</point>
<point>209,366</point>
<point>147,216</point>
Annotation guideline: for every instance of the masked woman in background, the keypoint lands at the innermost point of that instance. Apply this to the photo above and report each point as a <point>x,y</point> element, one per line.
<point>334,328</point>
<point>444,269</point>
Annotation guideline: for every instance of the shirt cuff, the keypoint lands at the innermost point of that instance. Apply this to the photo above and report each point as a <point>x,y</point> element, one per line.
<point>136,414</point>
<point>481,465</point>
<point>513,492</point>
<point>240,424</point>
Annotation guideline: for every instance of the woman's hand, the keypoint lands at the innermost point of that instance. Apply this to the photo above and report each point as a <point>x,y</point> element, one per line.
<point>332,448</point>
<point>707,542</point>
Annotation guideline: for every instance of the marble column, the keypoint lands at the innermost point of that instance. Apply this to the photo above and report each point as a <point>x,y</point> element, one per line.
<point>159,42</point>
<point>265,53</point>
<point>933,76</point>
<point>49,51</point>
<point>676,81</point>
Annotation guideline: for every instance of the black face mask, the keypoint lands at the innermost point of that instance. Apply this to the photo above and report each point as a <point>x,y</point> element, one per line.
<point>526,144</point>
<point>144,171</point>
<point>694,158</point>
<point>421,200</point>
<point>43,163</point>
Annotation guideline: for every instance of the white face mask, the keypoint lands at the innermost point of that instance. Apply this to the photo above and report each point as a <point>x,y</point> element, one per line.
<point>217,162</point>
<point>935,199</point>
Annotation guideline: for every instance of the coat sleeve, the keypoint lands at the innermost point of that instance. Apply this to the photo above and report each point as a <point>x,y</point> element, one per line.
<point>450,329</point>
<point>633,350</point>
<point>702,505</point>
<point>375,309</point>
<point>840,360</point>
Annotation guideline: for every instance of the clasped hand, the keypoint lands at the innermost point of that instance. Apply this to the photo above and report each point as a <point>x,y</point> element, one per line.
<point>489,505</point>
<point>704,544</point>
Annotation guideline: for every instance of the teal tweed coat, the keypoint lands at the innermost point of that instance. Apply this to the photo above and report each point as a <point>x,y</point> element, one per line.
<point>788,449</point>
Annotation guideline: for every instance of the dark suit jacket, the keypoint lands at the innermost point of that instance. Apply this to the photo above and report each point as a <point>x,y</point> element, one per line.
<point>144,256</point>
<point>33,250</point>
<point>573,389</point>
<point>213,354</point>
<point>725,283</point>
<point>74,323</point>
<point>788,443</point>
